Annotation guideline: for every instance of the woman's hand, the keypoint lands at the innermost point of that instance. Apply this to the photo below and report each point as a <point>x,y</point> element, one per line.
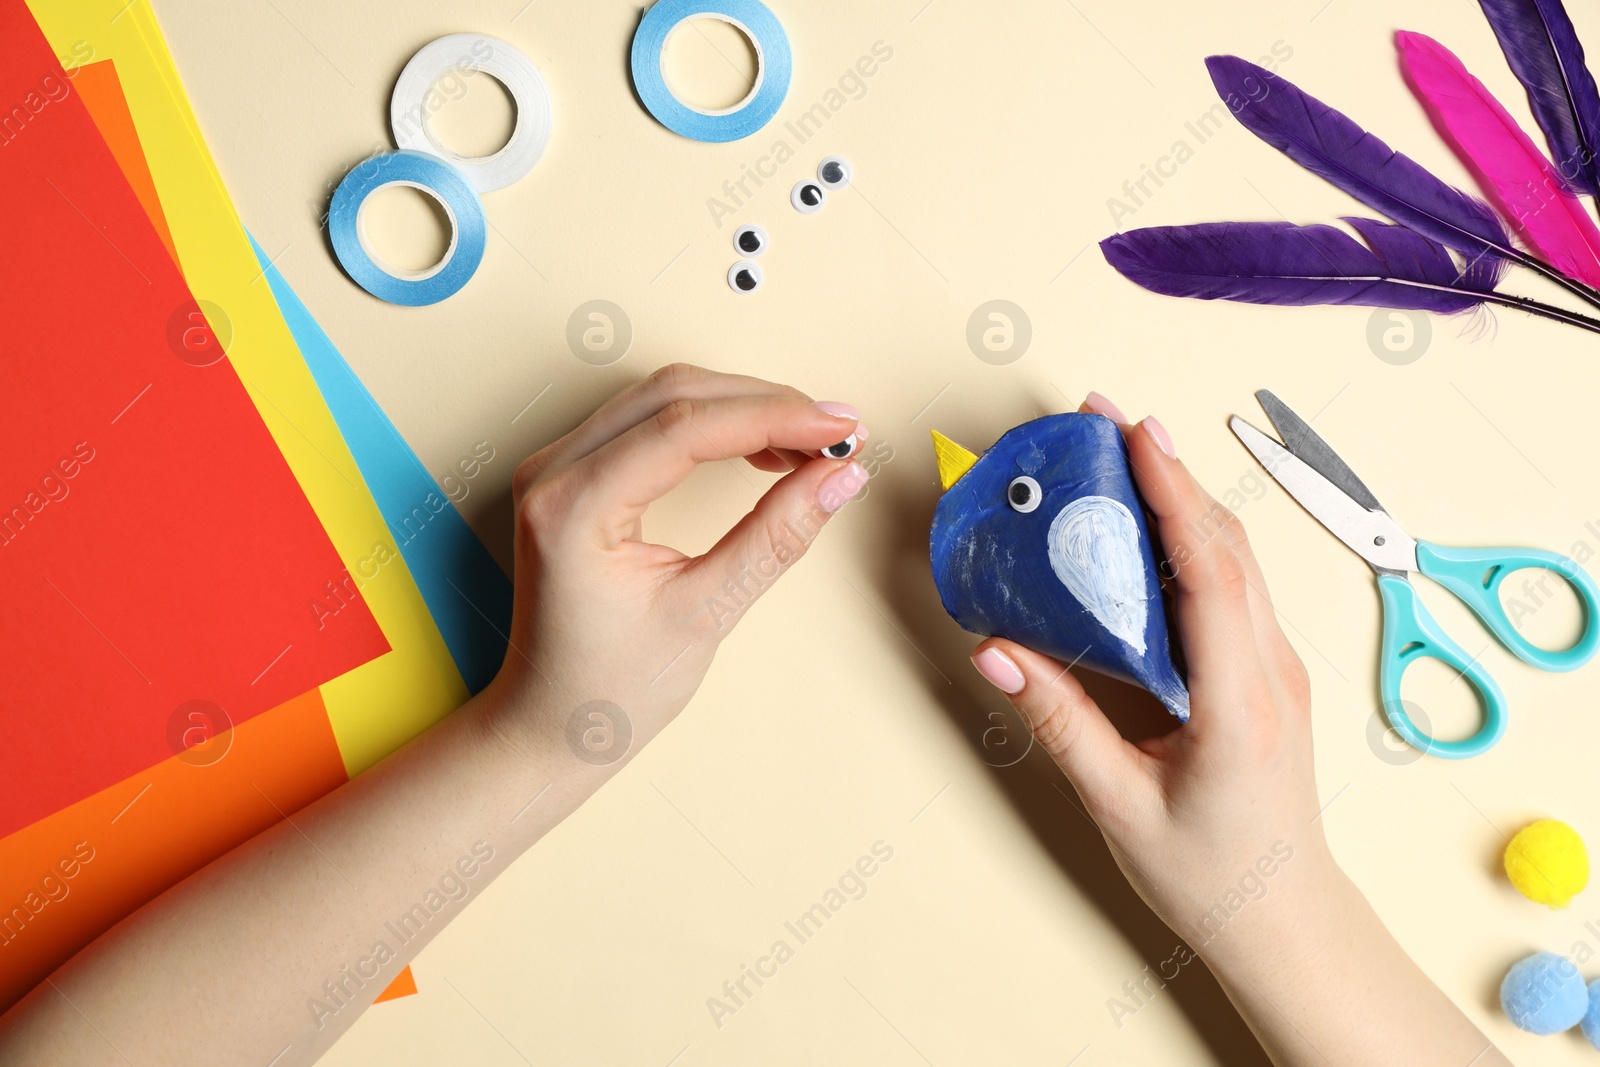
<point>603,615</point>
<point>1228,802</point>
<point>1216,824</point>
<point>600,616</point>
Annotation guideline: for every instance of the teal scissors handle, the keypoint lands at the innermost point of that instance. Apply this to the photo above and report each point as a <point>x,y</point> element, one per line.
<point>1411,634</point>
<point>1474,575</point>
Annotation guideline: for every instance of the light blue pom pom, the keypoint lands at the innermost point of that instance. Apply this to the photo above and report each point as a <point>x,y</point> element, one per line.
<point>1544,994</point>
<point>1591,1021</point>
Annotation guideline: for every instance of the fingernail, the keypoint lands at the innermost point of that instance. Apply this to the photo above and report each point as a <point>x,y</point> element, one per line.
<point>1160,435</point>
<point>997,667</point>
<point>843,411</point>
<point>838,410</point>
<point>1101,406</point>
<point>840,487</point>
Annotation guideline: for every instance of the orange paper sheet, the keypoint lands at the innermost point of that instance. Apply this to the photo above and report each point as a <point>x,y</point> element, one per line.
<point>102,95</point>
<point>70,877</point>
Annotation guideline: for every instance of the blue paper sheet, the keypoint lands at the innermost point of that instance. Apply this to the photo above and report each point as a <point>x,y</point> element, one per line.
<point>465,590</point>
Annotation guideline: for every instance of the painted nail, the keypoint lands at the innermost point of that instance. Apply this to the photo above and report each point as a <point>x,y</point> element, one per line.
<point>840,487</point>
<point>843,411</point>
<point>1160,435</point>
<point>1101,406</point>
<point>997,667</point>
<point>838,410</point>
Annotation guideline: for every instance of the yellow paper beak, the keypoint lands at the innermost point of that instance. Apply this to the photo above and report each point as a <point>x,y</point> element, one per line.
<point>954,461</point>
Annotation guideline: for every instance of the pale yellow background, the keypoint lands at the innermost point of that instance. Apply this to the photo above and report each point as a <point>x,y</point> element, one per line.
<point>842,712</point>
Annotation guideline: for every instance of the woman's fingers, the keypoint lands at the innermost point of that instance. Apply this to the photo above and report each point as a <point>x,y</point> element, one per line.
<point>1271,642</point>
<point>1096,404</point>
<point>671,384</point>
<point>614,485</point>
<point>772,462</point>
<point>783,460</point>
<point>1067,723</point>
<point>766,542</point>
<point>1213,591</point>
<point>1202,538</point>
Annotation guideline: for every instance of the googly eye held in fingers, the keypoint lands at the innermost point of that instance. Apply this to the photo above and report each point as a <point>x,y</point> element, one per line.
<point>744,277</point>
<point>844,449</point>
<point>750,240</point>
<point>834,172</point>
<point>1024,495</point>
<point>808,197</point>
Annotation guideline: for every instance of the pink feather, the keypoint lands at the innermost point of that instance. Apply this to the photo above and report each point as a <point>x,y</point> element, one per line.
<point>1518,179</point>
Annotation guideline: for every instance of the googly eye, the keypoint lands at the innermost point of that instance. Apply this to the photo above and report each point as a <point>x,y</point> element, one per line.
<point>1024,494</point>
<point>750,240</point>
<point>808,197</point>
<point>844,449</point>
<point>834,172</point>
<point>744,277</point>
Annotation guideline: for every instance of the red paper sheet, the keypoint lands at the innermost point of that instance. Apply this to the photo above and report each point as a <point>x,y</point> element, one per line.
<point>154,547</point>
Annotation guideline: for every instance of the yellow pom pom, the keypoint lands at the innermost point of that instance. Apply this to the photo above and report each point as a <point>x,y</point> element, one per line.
<point>1548,863</point>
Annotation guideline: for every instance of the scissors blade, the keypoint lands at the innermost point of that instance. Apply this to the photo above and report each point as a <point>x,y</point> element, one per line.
<point>1370,534</point>
<point>1298,437</point>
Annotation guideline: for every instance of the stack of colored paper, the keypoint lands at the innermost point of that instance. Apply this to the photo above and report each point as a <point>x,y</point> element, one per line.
<point>230,585</point>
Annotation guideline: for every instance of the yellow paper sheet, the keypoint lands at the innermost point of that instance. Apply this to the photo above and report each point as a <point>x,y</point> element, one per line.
<point>382,704</point>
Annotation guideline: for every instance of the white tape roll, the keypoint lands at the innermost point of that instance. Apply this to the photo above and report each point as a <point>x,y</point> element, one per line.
<point>414,101</point>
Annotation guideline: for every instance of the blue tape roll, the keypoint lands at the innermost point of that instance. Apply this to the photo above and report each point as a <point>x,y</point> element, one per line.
<point>774,66</point>
<point>468,228</point>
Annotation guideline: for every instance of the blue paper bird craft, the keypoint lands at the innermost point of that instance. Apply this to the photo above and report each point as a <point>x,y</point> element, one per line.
<point>1043,541</point>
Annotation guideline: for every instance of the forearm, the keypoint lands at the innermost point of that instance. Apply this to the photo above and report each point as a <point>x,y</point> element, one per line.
<point>284,941</point>
<point>1320,980</point>
<point>270,953</point>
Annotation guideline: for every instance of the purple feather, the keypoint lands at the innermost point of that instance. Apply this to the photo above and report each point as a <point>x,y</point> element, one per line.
<point>1327,143</point>
<point>1410,255</point>
<point>1281,263</point>
<point>1544,53</point>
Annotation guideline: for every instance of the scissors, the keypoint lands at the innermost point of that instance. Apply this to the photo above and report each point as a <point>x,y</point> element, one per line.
<point>1316,477</point>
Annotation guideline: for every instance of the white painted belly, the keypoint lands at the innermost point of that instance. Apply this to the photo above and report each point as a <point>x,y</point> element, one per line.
<point>1094,550</point>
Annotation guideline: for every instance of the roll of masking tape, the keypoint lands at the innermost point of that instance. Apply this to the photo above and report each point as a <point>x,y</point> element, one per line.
<point>415,99</point>
<point>433,177</point>
<point>774,66</point>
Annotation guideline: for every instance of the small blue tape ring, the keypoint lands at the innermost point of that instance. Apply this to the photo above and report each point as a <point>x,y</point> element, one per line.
<point>441,181</point>
<point>774,66</point>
